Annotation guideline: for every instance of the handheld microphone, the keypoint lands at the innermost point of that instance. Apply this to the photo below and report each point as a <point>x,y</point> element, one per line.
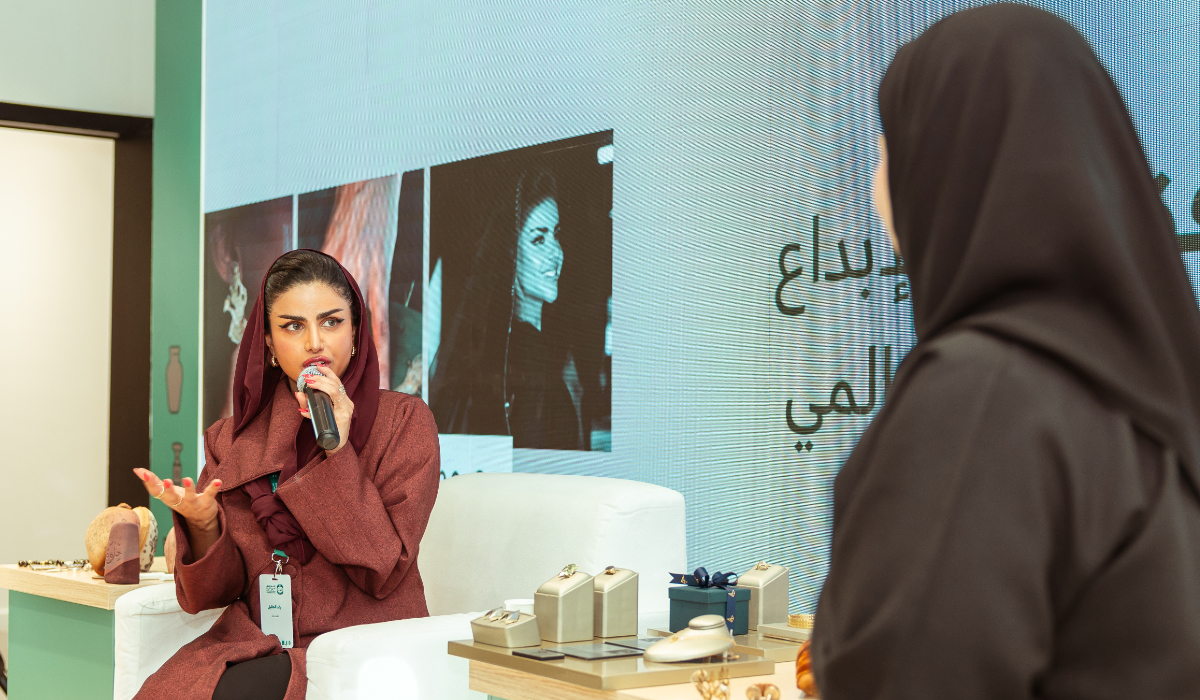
<point>320,410</point>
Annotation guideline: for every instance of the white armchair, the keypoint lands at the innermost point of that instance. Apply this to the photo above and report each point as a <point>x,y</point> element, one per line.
<point>491,537</point>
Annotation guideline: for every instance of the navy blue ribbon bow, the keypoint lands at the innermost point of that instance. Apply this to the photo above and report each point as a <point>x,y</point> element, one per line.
<point>700,578</point>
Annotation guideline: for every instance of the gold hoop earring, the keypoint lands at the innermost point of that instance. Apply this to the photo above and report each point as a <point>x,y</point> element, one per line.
<point>274,362</point>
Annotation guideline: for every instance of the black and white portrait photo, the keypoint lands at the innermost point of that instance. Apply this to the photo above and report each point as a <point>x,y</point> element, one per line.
<point>521,264</point>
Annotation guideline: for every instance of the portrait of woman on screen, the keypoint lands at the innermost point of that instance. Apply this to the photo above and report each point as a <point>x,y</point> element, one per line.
<point>500,370</point>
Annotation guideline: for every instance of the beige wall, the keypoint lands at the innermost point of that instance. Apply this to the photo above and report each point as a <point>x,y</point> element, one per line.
<point>56,213</point>
<point>89,55</point>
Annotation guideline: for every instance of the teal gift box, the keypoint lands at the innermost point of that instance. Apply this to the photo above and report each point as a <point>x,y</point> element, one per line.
<point>689,601</point>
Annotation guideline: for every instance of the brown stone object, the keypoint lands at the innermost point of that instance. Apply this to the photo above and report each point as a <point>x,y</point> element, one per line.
<point>96,539</point>
<point>122,558</point>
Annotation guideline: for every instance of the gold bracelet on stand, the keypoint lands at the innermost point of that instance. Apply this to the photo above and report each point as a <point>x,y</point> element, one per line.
<point>804,622</point>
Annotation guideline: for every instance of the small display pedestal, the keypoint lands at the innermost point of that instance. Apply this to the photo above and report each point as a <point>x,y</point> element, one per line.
<point>498,633</point>
<point>616,603</point>
<point>563,607</point>
<point>768,586</point>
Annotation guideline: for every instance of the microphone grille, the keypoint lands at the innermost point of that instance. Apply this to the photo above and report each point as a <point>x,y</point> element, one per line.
<point>300,383</point>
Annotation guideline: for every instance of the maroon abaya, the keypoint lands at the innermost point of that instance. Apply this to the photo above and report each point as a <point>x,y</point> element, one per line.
<point>360,513</point>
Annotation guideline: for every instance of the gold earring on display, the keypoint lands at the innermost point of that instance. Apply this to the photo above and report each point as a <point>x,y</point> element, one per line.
<point>274,362</point>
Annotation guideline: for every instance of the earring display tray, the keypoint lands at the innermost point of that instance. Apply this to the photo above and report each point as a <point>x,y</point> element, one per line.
<point>521,633</point>
<point>753,642</point>
<point>609,673</point>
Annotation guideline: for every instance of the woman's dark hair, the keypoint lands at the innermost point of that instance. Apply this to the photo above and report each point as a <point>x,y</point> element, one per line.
<point>534,187</point>
<point>305,267</point>
<point>470,366</point>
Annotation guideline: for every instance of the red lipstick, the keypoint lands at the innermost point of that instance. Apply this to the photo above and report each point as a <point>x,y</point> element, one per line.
<point>318,360</point>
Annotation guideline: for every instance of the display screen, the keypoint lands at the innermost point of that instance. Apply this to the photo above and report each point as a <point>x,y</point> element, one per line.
<point>627,239</point>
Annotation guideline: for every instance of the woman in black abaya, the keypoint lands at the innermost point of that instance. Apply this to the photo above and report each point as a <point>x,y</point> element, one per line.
<point>1022,518</point>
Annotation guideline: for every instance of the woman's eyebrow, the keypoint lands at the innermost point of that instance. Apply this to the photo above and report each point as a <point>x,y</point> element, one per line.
<point>292,318</point>
<point>326,314</point>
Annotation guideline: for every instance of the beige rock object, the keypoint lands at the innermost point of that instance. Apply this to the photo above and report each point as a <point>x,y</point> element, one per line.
<point>169,551</point>
<point>144,518</point>
<point>96,539</point>
<point>147,537</point>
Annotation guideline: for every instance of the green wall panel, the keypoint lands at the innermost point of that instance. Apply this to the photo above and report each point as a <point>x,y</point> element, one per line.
<point>58,650</point>
<point>177,230</point>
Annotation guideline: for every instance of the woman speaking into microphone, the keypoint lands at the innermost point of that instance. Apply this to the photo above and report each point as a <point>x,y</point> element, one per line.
<point>294,538</point>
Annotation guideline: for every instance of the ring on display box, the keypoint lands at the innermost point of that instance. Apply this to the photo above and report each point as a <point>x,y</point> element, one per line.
<point>616,603</point>
<point>506,628</point>
<point>564,607</point>
<point>768,586</point>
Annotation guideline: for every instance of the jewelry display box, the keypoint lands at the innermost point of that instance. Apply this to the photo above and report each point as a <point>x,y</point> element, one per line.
<point>564,607</point>
<point>616,603</point>
<point>510,635</point>
<point>688,602</point>
<point>768,586</point>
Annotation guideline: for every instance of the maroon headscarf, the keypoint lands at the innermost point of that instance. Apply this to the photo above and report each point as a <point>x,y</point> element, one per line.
<point>254,386</point>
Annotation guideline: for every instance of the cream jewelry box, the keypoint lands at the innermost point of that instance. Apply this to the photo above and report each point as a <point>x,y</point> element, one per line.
<point>505,628</point>
<point>563,607</point>
<point>616,603</point>
<point>768,584</point>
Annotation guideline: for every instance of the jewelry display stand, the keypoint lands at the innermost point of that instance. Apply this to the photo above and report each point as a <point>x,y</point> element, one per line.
<point>564,607</point>
<point>704,636</point>
<point>523,632</point>
<point>768,585</point>
<point>784,631</point>
<point>616,603</point>
<point>759,642</point>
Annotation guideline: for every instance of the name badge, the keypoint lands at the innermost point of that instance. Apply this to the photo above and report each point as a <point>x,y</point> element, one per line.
<point>275,602</point>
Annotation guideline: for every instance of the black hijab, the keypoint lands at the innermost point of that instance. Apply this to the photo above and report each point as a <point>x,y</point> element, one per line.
<point>1025,208</point>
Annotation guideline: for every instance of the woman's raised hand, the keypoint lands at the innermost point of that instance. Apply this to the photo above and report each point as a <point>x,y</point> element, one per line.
<point>198,509</point>
<point>343,407</point>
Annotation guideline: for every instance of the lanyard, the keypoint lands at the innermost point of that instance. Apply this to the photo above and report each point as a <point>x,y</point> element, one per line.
<point>278,565</point>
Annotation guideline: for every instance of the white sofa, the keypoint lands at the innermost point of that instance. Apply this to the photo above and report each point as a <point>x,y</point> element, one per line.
<point>491,537</point>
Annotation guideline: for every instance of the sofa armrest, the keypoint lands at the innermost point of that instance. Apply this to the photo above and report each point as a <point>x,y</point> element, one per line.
<point>149,628</point>
<point>405,658</point>
<point>401,659</point>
